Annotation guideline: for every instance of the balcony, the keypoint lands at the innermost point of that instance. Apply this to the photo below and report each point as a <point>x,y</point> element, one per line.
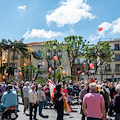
<point>117,69</point>
<point>116,49</point>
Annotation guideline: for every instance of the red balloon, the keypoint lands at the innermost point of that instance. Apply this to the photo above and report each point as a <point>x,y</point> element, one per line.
<point>100,29</point>
<point>91,66</point>
<point>6,74</point>
<point>33,79</point>
<point>55,58</point>
<point>3,77</point>
<point>25,64</point>
<point>78,72</point>
<point>43,63</point>
<point>64,73</point>
<point>50,69</point>
<point>20,73</point>
<point>83,73</point>
<point>19,68</point>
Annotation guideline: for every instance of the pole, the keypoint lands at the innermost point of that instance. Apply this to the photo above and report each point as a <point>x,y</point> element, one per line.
<point>54,66</point>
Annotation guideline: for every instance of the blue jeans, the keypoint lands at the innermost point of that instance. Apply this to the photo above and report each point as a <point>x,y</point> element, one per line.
<point>48,99</point>
<point>41,104</point>
<point>91,118</point>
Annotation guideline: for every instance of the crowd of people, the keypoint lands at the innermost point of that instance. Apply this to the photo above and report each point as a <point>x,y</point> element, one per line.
<point>98,99</point>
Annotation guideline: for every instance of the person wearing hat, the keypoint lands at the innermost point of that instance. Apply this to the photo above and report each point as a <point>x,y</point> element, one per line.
<point>26,89</point>
<point>33,100</point>
<point>41,99</point>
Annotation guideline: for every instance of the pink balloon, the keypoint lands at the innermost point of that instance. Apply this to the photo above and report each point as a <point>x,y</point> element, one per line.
<point>3,77</point>
<point>20,73</point>
<point>55,58</point>
<point>33,79</point>
<point>91,66</point>
<point>78,72</point>
<point>43,63</point>
<point>19,68</point>
<point>83,73</point>
<point>25,64</point>
<point>50,69</point>
<point>64,73</point>
<point>6,74</point>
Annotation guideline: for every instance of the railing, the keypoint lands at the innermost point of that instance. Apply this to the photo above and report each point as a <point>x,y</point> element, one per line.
<point>117,70</point>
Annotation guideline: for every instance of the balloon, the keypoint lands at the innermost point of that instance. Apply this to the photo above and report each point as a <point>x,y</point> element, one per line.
<point>6,74</point>
<point>43,63</point>
<point>33,79</point>
<point>83,73</point>
<point>25,64</point>
<point>100,29</point>
<point>78,72</point>
<point>20,73</point>
<point>91,66</point>
<point>19,68</point>
<point>50,69</point>
<point>55,58</point>
<point>3,77</point>
<point>63,73</point>
<point>114,74</point>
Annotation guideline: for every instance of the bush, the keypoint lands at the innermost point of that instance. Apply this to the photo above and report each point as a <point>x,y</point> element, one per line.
<point>42,81</point>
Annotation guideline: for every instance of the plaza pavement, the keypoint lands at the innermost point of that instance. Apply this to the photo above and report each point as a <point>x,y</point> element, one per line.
<point>51,113</point>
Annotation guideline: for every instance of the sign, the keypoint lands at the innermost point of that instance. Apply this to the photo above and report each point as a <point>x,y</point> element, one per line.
<point>16,72</point>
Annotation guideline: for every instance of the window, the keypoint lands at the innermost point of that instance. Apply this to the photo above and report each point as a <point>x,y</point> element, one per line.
<point>40,65</point>
<point>116,47</point>
<point>78,69</point>
<point>15,65</point>
<point>15,55</point>
<point>117,67</point>
<point>117,57</point>
<point>108,67</point>
<point>78,60</point>
<point>40,53</point>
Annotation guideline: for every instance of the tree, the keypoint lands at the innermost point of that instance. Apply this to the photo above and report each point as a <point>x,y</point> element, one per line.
<point>26,70</point>
<point>99,54</point>
<point>17,46</point>
<point>49,46</point>
<point>74,46</point>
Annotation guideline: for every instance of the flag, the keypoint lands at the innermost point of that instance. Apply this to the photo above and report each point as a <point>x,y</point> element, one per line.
<point>67,106</point>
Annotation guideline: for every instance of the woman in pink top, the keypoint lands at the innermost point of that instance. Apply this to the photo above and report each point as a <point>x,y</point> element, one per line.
<point>93,104</point>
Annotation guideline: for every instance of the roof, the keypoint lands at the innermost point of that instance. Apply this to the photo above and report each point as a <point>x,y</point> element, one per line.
<point>36,43</point>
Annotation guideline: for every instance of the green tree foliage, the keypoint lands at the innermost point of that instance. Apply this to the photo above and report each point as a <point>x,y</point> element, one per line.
<point>49,46</point>
<point>98,54</point>
<point>74,46</point>
<point>26,71</point>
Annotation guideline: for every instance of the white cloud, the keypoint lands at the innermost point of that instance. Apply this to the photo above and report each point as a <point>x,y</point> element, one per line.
<point>106,26</point>
<point>41,33</point>
<point>70,12</point>
<point>116,26</point>
<point>21,7</point>
<point>109,29</point>
<point>93,38</point>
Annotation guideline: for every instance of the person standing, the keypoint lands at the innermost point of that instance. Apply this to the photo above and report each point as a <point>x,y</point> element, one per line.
<point>41,99</point>
<point>58,102</point>
<point>105,96</point>
<point>93,104</point>
<point>33,100</point>
<point>26,89</point>
<point>116,103</point>
<point>48,97</point>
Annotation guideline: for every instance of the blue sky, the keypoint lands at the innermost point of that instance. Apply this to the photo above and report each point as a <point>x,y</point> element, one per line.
<point>41,20</point>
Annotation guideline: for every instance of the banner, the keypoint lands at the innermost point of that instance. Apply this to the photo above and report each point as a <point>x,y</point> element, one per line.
<point>67,106</point>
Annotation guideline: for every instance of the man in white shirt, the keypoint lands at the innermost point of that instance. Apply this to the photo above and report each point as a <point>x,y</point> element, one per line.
<point>26,89</point>
<point>41,98</point>
<point>33,100</point>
